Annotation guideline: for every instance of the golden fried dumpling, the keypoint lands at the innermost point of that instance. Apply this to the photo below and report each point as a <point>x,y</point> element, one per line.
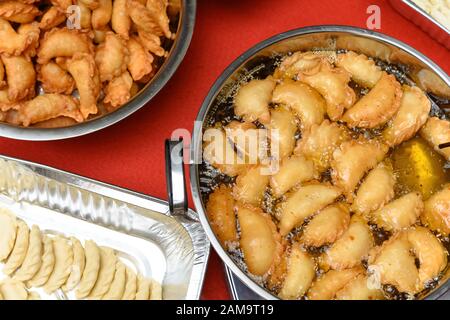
<point>303,203</point>
<point>326,226</point>
<point>350,249</point>
<point>359,289</point>
<point>299,62</point>
<point>292,172</point>
<point>303,100</point>
<point>375,191</point>
<point>251,185</point>
<point>436,214</point>
<point>362,69</point>
<point>411,116</point>
<point>252,100</point>
<point>300,274</point>
<point>437,131</point>
<point>220,211</point>
<point>394,264</point>
<point>378,106</point>
<point>430,252</point>
<point>326,286</point>
<point>352,160</point>
<point>319,142</point>
<point>282,129</point>
<point>400,213</point>
<point>260,241</point>
<point>332,84</point>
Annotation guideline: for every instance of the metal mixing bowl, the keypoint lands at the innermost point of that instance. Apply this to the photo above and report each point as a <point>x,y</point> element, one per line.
<point>165,72</point>
<point>410,62</point>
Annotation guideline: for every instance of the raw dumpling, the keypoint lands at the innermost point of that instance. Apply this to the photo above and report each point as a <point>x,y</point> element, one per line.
<point>156,291</point>
<point>394,264</point>
<point>91,270</point>
<point>130,286</point>
<point>8,230</point>
<point>105,277</point>
<point>79,262</point>
<point>359,289</point>
<point>11,289</point>
<point>282,129</point>
<point>400,213</point>
<point>378,106</point>
<point>33,258</point>
<point>411,116</point>
<point>220,211</point>
<point>117,288</point>
<point>260,241</point>
<point>48,262</point>
<point>293,171</point>
<point>435,132</point>
<point>352,160</point>
<point>63,264</point>
<point>303,203</point>
<point>436,214</point>
<point>375,191</point>
<point>300,274</point>
<point>319,142</point>
<point>326,286</point>
<point>252,100</point>
<point>430,252</point>
<point>362,69</point>
<point>251,185</point>
<point>326,226</point>
<point>353,247</point>
<point>143,288</point>
<point>19,251</point>
<point>303,100</point>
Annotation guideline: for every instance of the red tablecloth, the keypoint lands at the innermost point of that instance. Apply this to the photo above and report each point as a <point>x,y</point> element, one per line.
<point>131,154</point>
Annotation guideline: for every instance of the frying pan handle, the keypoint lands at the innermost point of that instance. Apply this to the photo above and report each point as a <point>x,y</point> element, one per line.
<point>176,186</point>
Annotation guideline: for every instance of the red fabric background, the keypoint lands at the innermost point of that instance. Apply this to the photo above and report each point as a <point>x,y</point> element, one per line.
<point>131,154</point>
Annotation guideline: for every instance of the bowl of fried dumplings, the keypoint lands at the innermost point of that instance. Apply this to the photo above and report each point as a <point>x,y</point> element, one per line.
<point>321,168</point>
<point>71,67</point>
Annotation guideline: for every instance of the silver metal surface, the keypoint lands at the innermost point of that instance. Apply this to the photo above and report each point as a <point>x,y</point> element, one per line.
<point>422,70</point>
<point>426,22</point>
<point>165,72</point>
<point>173,250</point>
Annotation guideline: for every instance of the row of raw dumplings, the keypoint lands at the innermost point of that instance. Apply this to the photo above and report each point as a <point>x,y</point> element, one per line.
<point>312,211</point>
<point>34,259</point>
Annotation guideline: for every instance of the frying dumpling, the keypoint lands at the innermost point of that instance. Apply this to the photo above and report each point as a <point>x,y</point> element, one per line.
<point>293,171</point>
<point>400,213</point>
<point>79,262</point>
<point>359,289</point>
<point>33,258</point>
<point>319,142</point>
<point>362,69</point>
<point>63,264</point>
<point>8,231</point>
<point>430,252</point>
<point>436,214</point>
<point>326,286</point>
<point>375,191</point>
<point>300,274</point>
<point>378,106</point>
<point>47,265</point>
<point>300,62</point>
<point>326,226</point>
<point>303,100</point>
<point>394,264</point>
<point>130,286</point>
<point>411,116</point>
<point>105,277</point>
<point>354,246</point>
<point>437,131</point>
<point>352,160</point>
<point>303,203</point>
<point>117,287</point>
<point>251,185</point>
<point>19,251</point>
<point>332,84</point>
<point>11,289</point>
<point>250,142</point>
<point>260,241</point>
<point>220,211</point>
<point>282,129</point>
<point>91,270</point>
<point>252,100</point>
